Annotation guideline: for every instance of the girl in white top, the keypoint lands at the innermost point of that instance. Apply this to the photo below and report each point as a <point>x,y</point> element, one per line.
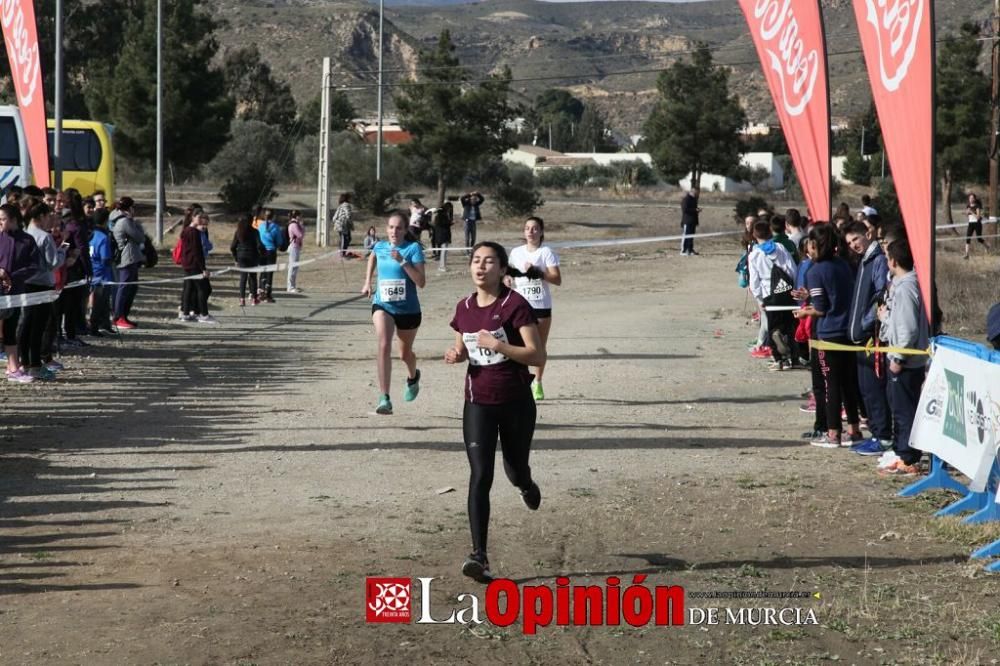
<point>541,268</point>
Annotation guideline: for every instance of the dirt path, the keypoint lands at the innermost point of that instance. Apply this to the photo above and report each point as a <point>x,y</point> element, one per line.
<point>217,495</point>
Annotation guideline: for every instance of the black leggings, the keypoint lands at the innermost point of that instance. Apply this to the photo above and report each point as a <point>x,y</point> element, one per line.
<point>31,328</point>
<point>819,390</point>
<point>974,228</point>
<point>514,422</point>
<point>267,279</point>
<point>72,308</point>
<point>247,278</point>
<point>195,296</point>
<point>841,373</point>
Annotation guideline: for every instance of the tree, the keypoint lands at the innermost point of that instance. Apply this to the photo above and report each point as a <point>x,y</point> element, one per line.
<point>593,135</point>
<point>553,118</point>
<point>456,126</point>
<point>857,169</point>
<point>694,126</point>
<point>249,165</point>
<point>341,112</point>
<point>517,194</point>
<point>197,111</point>
<point>963,95</point>
<point>255,90</point>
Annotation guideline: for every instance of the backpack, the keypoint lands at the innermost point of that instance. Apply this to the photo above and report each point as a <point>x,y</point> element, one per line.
<point>285,239</point>
<point>781,287</point>
<point>743,272</point>
<point>151,258</point>
<point>178,251</point>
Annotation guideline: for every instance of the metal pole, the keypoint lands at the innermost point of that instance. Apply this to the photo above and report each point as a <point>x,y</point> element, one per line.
<point>378,141</point>
<point>57,133</point>
<point>862,140</point>
<point>160,196</point>
<point>323,184</point>
<point>995,120</point>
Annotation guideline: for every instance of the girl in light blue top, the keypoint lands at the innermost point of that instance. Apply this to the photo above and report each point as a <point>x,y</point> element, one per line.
<point>395,271</point>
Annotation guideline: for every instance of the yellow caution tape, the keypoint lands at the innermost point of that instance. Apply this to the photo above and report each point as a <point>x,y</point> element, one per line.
<point>868,348</point>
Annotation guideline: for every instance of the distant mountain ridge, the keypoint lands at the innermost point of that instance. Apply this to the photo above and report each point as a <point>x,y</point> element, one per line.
<point>607,53</point>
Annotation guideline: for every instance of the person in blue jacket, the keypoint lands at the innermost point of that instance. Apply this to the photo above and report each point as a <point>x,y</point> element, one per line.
<point>270,239</point>
<point>101,258</point>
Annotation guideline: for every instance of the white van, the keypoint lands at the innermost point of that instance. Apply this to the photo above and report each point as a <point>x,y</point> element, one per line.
<point>15,164</point>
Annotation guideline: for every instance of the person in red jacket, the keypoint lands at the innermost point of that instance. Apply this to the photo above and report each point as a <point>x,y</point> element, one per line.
<point>196,289</point>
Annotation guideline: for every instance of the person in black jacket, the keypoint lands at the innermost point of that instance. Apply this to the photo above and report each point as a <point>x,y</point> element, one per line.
<point>246,250</point>
<point>689,221</point>
<point>471,201</point>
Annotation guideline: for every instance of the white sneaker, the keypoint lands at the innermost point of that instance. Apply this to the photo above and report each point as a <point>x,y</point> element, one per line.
<point>207,319</point>
<point>887,460</point>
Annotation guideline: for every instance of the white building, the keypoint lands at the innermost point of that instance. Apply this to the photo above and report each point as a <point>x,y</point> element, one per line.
<point>539,159</point>
<point>714,183</point>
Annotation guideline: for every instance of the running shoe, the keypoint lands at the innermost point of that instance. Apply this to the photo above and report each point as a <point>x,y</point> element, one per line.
<point>809,407</point>
<point>124,324</point>
<point>255,301</point>
<point>869,447</point>
<point>888,459</point>
<point>477,567</point>
<point>537,391</point>
<point>54,366</point>
<point>824,441</point>
<point>243,302</point>
<point>899,468</point>
<point>207,319</point>
<point>532,497</point>
<point>19,376</point>
<point>412,388</point>
<point>849,440</point>
<point>184,317</point>
<point>812,434</point>
<point>42,373</point>
<point>384,405</point>
<point>761,352</point>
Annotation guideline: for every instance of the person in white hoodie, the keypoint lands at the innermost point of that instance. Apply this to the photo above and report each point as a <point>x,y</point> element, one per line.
<point>772,280</point>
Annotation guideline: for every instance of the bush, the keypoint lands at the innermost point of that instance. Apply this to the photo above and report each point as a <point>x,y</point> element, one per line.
<point>249,165</point>
<point>517,195</point>
<point>886,201</point>
<point>376,197</point>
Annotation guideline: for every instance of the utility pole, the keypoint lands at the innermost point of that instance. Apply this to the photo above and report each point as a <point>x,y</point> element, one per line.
<point>57,134</point>
<point>160,196</point>
<point>995,119</point>
<point>378,141</point>
<point>323,186</point>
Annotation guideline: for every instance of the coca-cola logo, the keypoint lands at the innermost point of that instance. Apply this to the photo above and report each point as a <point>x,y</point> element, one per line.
<point>22,50</point>
<point>796,67</point>
<point>896,25</point>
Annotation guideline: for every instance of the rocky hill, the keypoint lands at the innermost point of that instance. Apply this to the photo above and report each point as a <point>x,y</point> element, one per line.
<point>608,53</point>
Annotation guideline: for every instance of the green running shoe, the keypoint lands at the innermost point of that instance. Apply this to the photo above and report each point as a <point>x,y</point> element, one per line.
<point>384,405</point>
<point>412,388</point>
<point>537,392</point>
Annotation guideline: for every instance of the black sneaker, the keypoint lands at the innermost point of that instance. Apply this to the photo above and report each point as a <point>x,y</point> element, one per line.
<point>532,497</point>
<point>477,567</point>
<point>813,434</point>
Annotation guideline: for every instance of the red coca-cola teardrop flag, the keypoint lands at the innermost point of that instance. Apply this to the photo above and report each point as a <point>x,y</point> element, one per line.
<point>898,41</point>
<point>792,50</point>
<point>21,38</point>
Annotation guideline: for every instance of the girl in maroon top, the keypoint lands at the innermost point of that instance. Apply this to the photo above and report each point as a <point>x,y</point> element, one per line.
<point>497,333</point>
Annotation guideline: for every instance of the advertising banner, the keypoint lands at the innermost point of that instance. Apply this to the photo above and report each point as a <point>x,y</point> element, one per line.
<point>21,38</point>
<point>792,50</point>
<point>958,416</point>
<point>897,37</point>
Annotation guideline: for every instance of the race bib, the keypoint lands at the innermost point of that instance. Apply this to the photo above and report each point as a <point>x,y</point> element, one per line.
<point>392,291</point>
<point>532,290</point>
<point>480,356</point>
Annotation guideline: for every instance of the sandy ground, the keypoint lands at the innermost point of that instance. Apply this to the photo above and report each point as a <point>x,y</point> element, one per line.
<point>217,495</point>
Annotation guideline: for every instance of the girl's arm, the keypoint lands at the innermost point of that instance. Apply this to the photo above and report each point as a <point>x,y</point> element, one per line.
<point>457,353</point>
<point>532,353</point>
<point>552,275</point>
<point>369,272</point>
<point>416,273</point>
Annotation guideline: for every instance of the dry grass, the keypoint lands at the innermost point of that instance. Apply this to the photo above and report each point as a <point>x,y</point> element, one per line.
<point>966,289</point>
